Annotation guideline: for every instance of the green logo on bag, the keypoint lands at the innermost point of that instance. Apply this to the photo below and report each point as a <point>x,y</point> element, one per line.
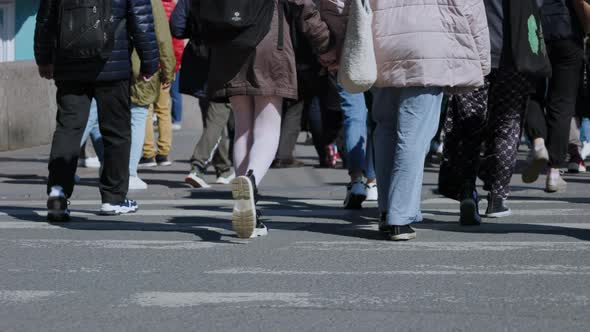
<point>533,36</point>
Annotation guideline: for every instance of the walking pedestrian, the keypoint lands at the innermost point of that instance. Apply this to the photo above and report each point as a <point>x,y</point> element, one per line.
<point>212,148</point>
<point>86,68</point>
<point>153,93</point>
<point>254,68</point>
<point>552,107</point>
<point>164,110</point>
<point>409,90</point>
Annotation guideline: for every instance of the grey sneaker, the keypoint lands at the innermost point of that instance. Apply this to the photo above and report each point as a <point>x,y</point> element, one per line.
<point>555,182</point>
<point>195,179</point>
<point>538,159</point>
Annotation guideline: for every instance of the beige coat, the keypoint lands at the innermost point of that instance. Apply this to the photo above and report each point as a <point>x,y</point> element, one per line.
<point>442,43</point>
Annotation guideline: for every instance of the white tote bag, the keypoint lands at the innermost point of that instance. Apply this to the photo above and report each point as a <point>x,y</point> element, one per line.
<point>358,68</point>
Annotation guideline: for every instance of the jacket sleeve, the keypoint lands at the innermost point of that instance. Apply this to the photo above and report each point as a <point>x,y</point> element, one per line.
<point>46,32</point>
<point>179,21</point>
<point>164,38</point>
<point>141,25</point>
<point>311,24</point>
<point>478,22</point>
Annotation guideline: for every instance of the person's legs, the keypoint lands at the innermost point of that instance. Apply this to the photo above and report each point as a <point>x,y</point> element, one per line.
<point>149,150</point>
<point>73,102</point>
<point>567,60</point>
<point>266,135</point>
<point>93,131</point>
<point>221,158</point>
<point>243,110</point>
<point>114,119</point>
<point>576,162</point>
<point>507,105</point>
<point>163,113</point>
<point>138,122</point>
<point>216,118</point>
<point>176,100</point>
<point>464,133</point>
<point>418,118</point>
<point>290,129</point>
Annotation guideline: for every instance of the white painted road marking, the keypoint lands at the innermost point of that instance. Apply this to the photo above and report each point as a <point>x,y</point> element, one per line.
<point>113,244</point>
<point>27,296</point>
<point>189,299</point>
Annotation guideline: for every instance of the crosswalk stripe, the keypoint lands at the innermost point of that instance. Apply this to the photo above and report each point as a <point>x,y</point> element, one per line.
<point>425,270</point>
<point>188,299</point>
<point>112,244</point>
<point>28,296</point>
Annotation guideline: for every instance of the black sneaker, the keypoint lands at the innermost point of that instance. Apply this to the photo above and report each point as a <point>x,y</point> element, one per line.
<point>147,162</point>
<point>383,225</point>
<point>469,207</point>
<point>497,207</point>
<point>57,209</point>
<point>260,229</point>
<point>163,160</point>
<point>401,233</point>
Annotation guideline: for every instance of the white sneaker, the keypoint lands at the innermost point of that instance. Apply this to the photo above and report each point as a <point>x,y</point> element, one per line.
<point>244,212</point>
<point>537,160</point>
<point>555,182</point>
<point>225,179</point>
<point>356,194</point>
<point>576,167</point>
<point>194,179</point>
<point>372,192</point>
<point>585,153</point>
<point>128,206</point>
<point>135,183</point>
<point>91,162</point>
<point>176,126</point>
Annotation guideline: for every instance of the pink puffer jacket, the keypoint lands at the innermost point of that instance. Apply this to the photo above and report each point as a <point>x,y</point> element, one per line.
<point>442,43</point>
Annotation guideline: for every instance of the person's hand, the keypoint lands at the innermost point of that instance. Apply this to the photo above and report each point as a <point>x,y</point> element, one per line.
<point>166,85</point>
<point>329,58</point>
<point>46,71</point>
<point>146,77</point>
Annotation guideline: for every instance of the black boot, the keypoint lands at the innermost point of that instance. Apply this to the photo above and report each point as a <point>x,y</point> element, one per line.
<point>383,226</point>
<point>250,175</point>
<point>469,206</point>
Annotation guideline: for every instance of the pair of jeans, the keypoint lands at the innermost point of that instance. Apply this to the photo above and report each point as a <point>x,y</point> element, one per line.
<point>213,147</point>
<point>370,159</point>
<point>354,112</point>
<point>585,130</point>
<point>139,115</point>
<point>407,120</point>
<point>162,110</point>
<point>176,100</point>
<point>93,131</point>
<point>114,119</point>
<point>552,107</point>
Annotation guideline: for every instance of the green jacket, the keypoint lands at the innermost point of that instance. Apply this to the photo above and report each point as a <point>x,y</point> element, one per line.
<point>146,93</point>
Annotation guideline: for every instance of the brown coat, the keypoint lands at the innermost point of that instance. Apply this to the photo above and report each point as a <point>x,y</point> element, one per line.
<point>267,71</point>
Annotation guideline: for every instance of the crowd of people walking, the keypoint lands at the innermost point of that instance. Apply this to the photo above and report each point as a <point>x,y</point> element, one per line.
<point>379,84</point>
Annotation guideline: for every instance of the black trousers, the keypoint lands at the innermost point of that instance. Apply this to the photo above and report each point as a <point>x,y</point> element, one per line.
<point>290,129</point>
<point>552,107</point>
<point>114,118</point>
<point>325,116</point>
<point>491,117</point>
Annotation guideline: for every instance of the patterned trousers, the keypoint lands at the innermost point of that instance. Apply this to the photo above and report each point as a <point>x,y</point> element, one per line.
<point>489,121</point>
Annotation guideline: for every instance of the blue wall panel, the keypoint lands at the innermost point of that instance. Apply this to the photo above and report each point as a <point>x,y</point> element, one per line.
<point>25,28</point>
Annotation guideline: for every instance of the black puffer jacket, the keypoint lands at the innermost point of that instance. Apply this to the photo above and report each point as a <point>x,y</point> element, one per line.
<point>138,32</point>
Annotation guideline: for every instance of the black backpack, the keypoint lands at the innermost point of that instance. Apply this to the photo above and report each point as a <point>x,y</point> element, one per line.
<point>529,52</point>
<point>86,29</point>
<point>240,24</point>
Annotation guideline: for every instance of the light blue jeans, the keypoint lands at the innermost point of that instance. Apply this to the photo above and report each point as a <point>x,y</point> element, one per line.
<point>138,120</point>
<point>585,130</point>
<point>354,112</point>
<point>93,131</point>
<point>407,120</point>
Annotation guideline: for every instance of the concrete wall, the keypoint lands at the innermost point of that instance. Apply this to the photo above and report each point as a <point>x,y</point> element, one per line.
<point>27,106</point>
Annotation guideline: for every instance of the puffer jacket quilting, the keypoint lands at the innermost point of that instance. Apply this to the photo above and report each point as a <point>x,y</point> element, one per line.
<point>137,31</point>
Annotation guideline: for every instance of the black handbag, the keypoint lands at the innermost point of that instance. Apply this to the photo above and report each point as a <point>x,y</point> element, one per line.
<point>194,71</point>
<point>529,52</point>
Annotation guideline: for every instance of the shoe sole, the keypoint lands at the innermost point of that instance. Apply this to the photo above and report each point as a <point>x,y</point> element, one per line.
<point>57,217</point>
<point>403,237</point>
<point>532,172</point>
<point>223,182</point>
<point>147,165</point>
<point>355,202</point>
<point>244,213</point>
<point>166,163</point>
<point>499,214</point>
<point>468,213</point>
<point>115,213</point>
<point>196,184</point>
<point>558,189</point>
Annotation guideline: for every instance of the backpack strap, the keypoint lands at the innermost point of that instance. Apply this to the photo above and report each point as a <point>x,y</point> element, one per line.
<point>281,42</point>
